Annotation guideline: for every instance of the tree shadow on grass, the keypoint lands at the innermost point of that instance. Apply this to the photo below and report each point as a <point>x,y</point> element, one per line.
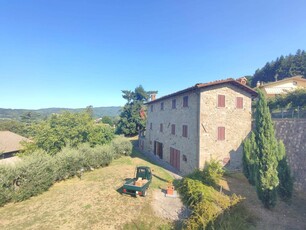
<point>162,179</point>
<point>136,153</point>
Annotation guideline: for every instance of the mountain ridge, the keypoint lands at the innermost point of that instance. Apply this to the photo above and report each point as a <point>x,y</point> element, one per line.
<point>8,113</point>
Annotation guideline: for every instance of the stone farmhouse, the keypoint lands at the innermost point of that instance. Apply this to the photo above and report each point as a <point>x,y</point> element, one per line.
<point>284,86</point>
<point>207,121</point>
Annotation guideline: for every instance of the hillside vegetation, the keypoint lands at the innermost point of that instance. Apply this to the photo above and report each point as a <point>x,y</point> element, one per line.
<point>282,67</point>
<point>17,114</point>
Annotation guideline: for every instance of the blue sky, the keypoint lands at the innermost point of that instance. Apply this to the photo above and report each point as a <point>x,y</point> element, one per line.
<point>73,53</point>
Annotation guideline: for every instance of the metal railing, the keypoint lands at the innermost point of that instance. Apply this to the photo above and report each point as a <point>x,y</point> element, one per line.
<point>293,113</point>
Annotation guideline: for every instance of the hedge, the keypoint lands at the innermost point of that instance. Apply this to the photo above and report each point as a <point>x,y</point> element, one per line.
<point>205,202</point>
<point>38,171</point>
<point>122,146</point>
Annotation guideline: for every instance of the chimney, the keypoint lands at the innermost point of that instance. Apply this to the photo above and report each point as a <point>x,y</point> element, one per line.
<point>153,96</point>
<point>242,80</point>
<point>258,84</point>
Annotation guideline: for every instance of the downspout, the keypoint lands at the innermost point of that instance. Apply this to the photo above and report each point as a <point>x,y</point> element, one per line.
<point>198,128</point>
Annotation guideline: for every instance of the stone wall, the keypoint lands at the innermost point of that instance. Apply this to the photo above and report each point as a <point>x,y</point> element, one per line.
<point>236,121</point>
<point>179,116</point>
<point>293,134</point>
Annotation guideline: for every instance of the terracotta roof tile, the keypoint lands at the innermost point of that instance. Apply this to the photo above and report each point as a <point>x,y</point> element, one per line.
<point>236,83</point>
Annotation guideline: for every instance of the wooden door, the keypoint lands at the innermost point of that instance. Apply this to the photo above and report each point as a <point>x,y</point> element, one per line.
<point>158,149</point>
<point>175,158</point>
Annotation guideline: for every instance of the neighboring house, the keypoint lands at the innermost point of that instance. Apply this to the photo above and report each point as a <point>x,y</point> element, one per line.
<point>284,86</point>
<point>10,143</point>
<point>192,126</point>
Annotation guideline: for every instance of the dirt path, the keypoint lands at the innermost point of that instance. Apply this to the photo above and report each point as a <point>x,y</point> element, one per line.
<point>170,208</point>
<point>283,216</point>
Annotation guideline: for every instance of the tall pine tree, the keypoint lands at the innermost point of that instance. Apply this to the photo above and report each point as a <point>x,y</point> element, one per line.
<point>131,119</point>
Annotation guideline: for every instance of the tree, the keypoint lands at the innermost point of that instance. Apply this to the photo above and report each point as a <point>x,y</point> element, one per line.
<point>108,120</point>
<point>282,67</point>
<point>29,117</point>
<point>285,187</point>
<point>250,158</point>
<point>70,129</point>
<point>264,158</point>
<point>267,151</point>
<point>131,121</point>
<point>293,99</point>
<point>90,111</point>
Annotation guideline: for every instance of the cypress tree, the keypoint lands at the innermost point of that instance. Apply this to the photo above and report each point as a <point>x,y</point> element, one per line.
<point>267,152</point>
<point>250,158</point>
<point>285,187</point>
<point>246,157</point>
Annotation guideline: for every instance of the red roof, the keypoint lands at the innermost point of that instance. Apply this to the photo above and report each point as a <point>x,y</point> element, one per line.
<point>236,83</point>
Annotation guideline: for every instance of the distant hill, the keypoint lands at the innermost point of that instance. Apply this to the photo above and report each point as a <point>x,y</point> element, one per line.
<point>282,67</point>
<point>16,114</point>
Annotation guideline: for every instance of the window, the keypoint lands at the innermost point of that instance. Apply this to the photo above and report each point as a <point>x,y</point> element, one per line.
<point>173,129</point>
<point>221,133</point>
<point>221,100</point>
<point>239,102</point>
<point>151,125</point>
<point>151,108</point>
<point>185,130</point>
<point>161,128</point>
<point>162,106</point>
<point>184,158</point>
<point>174,104</point>
<point>185,101</point>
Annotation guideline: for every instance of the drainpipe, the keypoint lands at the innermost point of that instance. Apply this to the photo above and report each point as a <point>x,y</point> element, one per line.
<point>198,93</point>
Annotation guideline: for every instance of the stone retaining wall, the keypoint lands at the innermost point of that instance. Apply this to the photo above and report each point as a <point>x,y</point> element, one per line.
<point>293,134</point>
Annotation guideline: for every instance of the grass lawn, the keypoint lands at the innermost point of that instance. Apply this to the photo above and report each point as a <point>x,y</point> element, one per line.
<point>94,202</point>
<point>284,216</point>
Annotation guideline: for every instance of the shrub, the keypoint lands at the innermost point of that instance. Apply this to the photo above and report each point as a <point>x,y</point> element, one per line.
<point>104,154</point>
<point>285,187</point>
<point>122,147</point>
<point>7,175</point>
<point>69,162</point>
<point>100,134</point>
<point>249,159</point>
<point>33,175</point>
<point>91,158</point>
<point>38,171</point>
<point>210,175</point>
<point>207,204</point>
<point>74,161</point>
<point>236,218</point>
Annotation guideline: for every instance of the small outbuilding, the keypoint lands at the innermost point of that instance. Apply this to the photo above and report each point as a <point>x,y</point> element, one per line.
<point>10,143</point>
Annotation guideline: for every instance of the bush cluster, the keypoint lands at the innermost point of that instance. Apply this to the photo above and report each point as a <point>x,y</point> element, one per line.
<point>210,175</point>
<point>31,176</point>
<point>38,171</point>
<point>68,129</point>
<point>121,146</point>
<point>206,203</point>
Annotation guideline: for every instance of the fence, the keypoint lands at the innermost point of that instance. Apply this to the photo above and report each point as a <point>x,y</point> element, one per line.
<point>299,113</point>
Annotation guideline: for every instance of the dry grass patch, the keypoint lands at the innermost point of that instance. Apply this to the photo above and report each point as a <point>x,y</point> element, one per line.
<point>90,203</point>
<point>283,216</point>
